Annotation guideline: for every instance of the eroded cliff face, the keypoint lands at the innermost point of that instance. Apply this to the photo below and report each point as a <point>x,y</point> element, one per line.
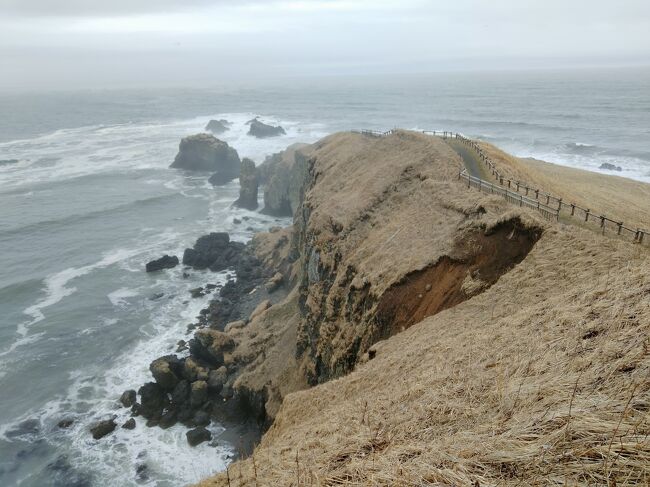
<point>383,237</point>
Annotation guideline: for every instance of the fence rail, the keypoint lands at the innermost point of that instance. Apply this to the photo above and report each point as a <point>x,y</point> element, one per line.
<point>526,195</point>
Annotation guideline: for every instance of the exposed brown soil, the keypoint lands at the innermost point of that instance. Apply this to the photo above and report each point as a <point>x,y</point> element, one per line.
<point>483,258</point>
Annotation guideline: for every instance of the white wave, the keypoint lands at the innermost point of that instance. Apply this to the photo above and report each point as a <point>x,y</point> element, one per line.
<point>120,296</point>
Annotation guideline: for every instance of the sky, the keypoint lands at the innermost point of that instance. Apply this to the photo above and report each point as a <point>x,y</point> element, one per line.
<point>61,44</point>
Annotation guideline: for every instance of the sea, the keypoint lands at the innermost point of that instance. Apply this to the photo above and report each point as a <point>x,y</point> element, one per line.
<point>87,198</point>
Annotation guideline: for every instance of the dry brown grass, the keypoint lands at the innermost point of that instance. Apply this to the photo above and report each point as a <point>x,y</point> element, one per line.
<point>543,379</point>
<point>617,198</point>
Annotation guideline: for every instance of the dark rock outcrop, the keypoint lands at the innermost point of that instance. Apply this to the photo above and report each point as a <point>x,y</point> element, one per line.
<point>217,126</point>
<point>198,435</point>
<point>610,167</point>
<point>283,176</point>
<point>204,152</point>
<point>261,130</point>
<point>214,251</point>
<point>249,184</point>
<point>167,371</point>
<point>165,262</point>
<point>128,398</point>
<point>129,424</point>
<point>209,345</point>
<point>153,399</point>
<point>103,428</point>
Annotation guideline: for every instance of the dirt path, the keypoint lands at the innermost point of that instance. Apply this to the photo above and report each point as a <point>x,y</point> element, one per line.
<point>470,158</point>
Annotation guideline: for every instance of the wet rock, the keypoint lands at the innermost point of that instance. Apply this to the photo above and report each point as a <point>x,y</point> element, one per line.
<point>103,428</point>
<point>168,419</point>
<point>191,369</point>
<point>236,221</point>
<point>65,423</point>
<point>201,418</point>
<point>198,435</point>
<point>166,371</point>
<point>199,393</point>
<point>129,424</point>
<point>217,126</point>
<point>157,296</point>
<point>181,393</point>
<point>6,162</point>
<point>210,286</point>
<point>153,400</point>
<point>165,262</point>
<point>610,167</point>
<point>248,185</point>
<point>197,292</point>
<point>128,398</point>
<point>142,472</point>
<point>181,346</point>
<point>261,130</point>
<point>204,152</point>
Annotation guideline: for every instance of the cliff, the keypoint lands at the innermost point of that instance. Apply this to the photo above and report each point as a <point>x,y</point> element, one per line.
<point>434,335</point>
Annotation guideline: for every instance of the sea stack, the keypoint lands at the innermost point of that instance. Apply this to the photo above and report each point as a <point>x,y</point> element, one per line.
<point>261,130</point>
<point>204,152</point>
<point>248,182</point>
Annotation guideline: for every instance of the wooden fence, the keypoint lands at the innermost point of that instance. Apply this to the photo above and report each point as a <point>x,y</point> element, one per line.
<point>525,195</point>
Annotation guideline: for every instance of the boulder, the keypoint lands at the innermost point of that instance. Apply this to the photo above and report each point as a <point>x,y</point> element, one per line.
<point>198,435</point>
<point>181,393</point>
<point>204,152</point>
<point>610,167</point>
<point>261,130</point>
<point>198,393</point>
<point>102,428</point>
<point>217,379</point>
<point>214,251</point>
<point>129,424</point>
<point>209,345</point>
<point>65,423</point>
<point>167,371</point>
<point>128,398</point>
<point>217,126</point>
<point>153,399</point>
<point>201,418</point>
<point>165,262</point>
<point>248,185</point>
<point>168,419</point>
<point>191,369</point>
<point>197,292</point>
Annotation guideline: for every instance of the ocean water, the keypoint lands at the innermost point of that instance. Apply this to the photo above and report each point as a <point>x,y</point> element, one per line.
<point>91,199</point>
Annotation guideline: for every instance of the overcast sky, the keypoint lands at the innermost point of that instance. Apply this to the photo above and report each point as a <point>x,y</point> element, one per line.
<point>116,43</point>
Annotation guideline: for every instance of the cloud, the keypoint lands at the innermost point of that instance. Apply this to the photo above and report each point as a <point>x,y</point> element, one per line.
<point>86,8</point>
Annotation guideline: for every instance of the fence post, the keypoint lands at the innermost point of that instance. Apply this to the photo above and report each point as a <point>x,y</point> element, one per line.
<point>620,227</point>
<point>526,190</point>
<point>573,209</point>
<point>517,186</point>
<point>521,200</point>
<point>641,233</point>
<point>602,224</point>
<point>537,194</point>
<point>587,214</point>
<point>559,204</point>
<point>509,181</point>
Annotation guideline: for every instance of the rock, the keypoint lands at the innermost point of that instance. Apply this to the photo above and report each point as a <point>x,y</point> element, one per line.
<point>168,419</point>
<point>274,283</point>
<point>167,371</point>
<point>165,262</point>
<point>234,325</point>
<point>198,393</point>
<point>153,399</point>
<point>181,393</point>
<point>198,435</point>
<point>204,152</point>
<point>427,288</point>
<point>209,345</point>
<point>248,185</point>
<point>214,251</point>
<point>261,130</point>
<point>201,418</point>
<point>191,369</point>
<point>610,167</point>
<point>129,424</point>
<point>6,162</point>
<point>157,296</point>
<point>128,398</point>
<point>217,126</point>
<point>220,178</point>
<point>182,346</point>
<point>217,379</point>
<point>65,423</point>
<point>283,176</point>
<point>103,428</point>
<point>261,308</point>
<point>236,221</point>
<point>197,293</point>
<point>210,286</point>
